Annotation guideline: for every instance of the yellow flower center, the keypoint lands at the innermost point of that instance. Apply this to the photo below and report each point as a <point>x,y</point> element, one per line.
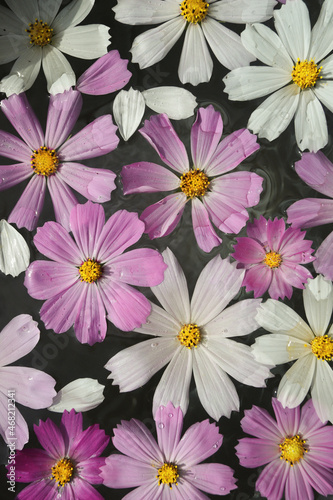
<point>305,73</point>
<point>322,347</point>
<point>194,11</point>
<point>90,271</point>
<point>189,336</point>
<point>292,449</point>
<point>62,471</point>
<point>272,260</point>
<point>194,183</point>
<point>168,474</point>
<point>39,33</point>
<point>44,161</point>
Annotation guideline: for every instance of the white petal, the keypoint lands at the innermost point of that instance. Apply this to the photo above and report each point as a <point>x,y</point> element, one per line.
<point>296,382</point>
<point>82,394</point>
<point>322,391</point>
<point>145,11</point>
<point>14,252</point>
<point>266,46</point>
<point>292,22</point>
<point>175,382</point>
<point>72,14</point>
<point>153,45</point>
<point>242,11</point>
<point>322,33</point>
<point>226,45</point>
<point>243,84</point>
<point>277,317</point>
<point>273,116</point>
<point>24,72</point>
<point>276,349</point>
<point>218,283</point>
<point>58,72</point>
<point>318,304</point>
<point>172,293</point>
<point>10,23</point>
<point>128,110</point>
<point>11,46</point>
<point>224,325</point>
<point>327,70</point>
<point>324,92</point>
<point>160,323</point>
<point>195,65</point>
<point>26,11</point>
<point>216,391</point>
<point>48,9</point>
<point>85,42</point>
<point>176,102</point>
<point>310,123</point>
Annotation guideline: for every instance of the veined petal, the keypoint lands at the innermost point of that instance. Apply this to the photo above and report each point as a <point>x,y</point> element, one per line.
<point>242,187</point>
<point>160,323</point>
<point>321,36</point>
<point>64,110</point>
<point>204,233</point>
<point>227,214</point>
<point>324,92</point>
<point>11,47</point>
<point>115,472</point>
<point>224,325</point>
<point>139,267</point>
<point>10,23</point>
<point>55,66</point>
<point>146,177</point>
<point>296,382</point>
<point>322,390</point>
<point>292,22</point>
<point>21,427</point>
<point>51,438</point>
<point>273,116</point>
<point>27,12</point>
<point>324,258</point>
<point>310,212</point>
<point>169,424</point>
<point>205,135</point>
<point>53,241</point>
<point>45,279</point>
<point>28,208</point>
<point>23,73</point>
<point>272,480</point>
<point>310,122</point>
<point>176,102</point>
<point>63,200</point>
<point>72,14</point>
<point>253,452</point>
<point>318,304</point>
<point>240,11</point>
<point>130,12</point>
<point>195,65</point>
<point>87,222</point>
<point>12,147</point>
<point>85,42</point>
<point>18,338</point>
<point>276,349</point>
<point>162,217</point>
<point>128,109</point>
<point>48,10</point>
<point>213,478</point>
<point>153,45</point>
<point>287,419</point>
<point>90,322</point>
<point>317,171</point>
<point>14,252</point>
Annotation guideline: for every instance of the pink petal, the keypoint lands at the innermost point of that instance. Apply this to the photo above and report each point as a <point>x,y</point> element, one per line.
<point>169,424</point>
<point>205,135</point>
<point>32,465</point>
<point>108,74</point>
<point>292,243</point>
<point>212,478</point>
<point>20,114</point>
<point>310,422</point>
<point>95,184</point>
<point>242,187</point>
<point>40,490</point>
<point>324,258</point>
<point>90,323</point>
<point>59,312</point>
<point>125,472</point>
<point>229,216</point>
<point>122,230</point>
<point>51,439</point>
<point>322,445</point>
<point>18,338</point>
<point>279,286</point>
<point>258,278</point>
<point>297,486</point>
<point>288,419</point>
<point>45,279</point>
<point>231,151</point>
<point>82,489</point>
<point>259,423</point>
<point>140,267</point>
<point>53,241</point>
<point>64,110</point>
<point>317,171</point>
<point>63,200</point>
<point>275,232</point>
<point>127,308</point>
<point>204,233</point>
<point>95,139</point>
<point>87,222</point>
<point>317,476</point>
<point>28,208</point>
<point>256,452</point>
<point>248,251</point>
<point>88,444</point>
<point>12,147</point>
<point>136,441</point>
<point>258,230</point>
<point>161,135</point>
<point>272,480</point>
<point>145,177</point>
<point>185,490</point>
<point>71,428</point>
<point>162,217</point>
<point>310,212</point>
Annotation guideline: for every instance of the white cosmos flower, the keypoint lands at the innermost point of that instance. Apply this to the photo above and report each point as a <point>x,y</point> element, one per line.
<point>201,22</point>
<point>194,336</point>
<point>34,33</point>
<point>82,394</point>
<point>129,106</point>
<point>297,73</point>
<point>311,346</point>
<point>14,252</point>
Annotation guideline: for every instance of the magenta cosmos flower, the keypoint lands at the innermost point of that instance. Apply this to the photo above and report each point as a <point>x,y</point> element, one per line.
<point>171,467</point>
<point>26,386</point>
<point>220,199</point>
<point>67,466</point>
<point>317,171</point>
<point>297,447</point>
<point>51,159</point>
<point>91,273</point>
<point>272,257</point>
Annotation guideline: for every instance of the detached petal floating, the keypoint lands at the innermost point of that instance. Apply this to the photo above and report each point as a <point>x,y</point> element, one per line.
<point>82,394</point>
<point>14,252</point>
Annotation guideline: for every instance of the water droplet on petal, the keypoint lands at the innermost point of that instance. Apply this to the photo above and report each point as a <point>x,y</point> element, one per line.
<point>170,415</point>
<point>161,425</point>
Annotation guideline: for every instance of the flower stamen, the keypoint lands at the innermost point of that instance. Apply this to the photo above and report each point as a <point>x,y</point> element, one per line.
<point>305,73</point>
<point>322,347</point>
<point>90,271</point>
<point>44,161</point>
<point>62,471</point>
<point>194,183</point>
<point>194,11</point>
<point>272,260</point>
<point>189,336</point>
<point>39,33</point>
<point>292,449</point>
<point>168,474</point>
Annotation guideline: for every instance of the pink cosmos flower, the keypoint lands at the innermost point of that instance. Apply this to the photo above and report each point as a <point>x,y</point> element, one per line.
<point>297,447</point>
<point>272,257</point>
<point>26,386</point>
<point>67,466</point>
<point>91,273</point>
<point>220,199</point>
<point>171,467</point>
<point>51,160</point>
<point>317,171</point>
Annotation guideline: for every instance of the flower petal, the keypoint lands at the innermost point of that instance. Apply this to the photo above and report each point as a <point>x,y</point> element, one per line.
<point>310,123</point>
<point>21,427</point>
<point>169,424</point>
<point>272,480</point>
<point>176,102</point>
<point>296,382</point>
<point>322,390</point>
<point>63,200</point>
<point>86,42</point>
<point>87,223</point>
<point>195,65</point>
<point>53,241</point>
<point>227,214</point>
<point>317,171</point>
<point>205,135</point>
<point>287,419</point>
<point>146,177</point>
<point>204,233</point>
<point>139,267</point>
<point>324,258</point>
<point>50,438</point>
<point>256,452</point>
<point>82,394</point>
<point>115,472</point>
<point>239,11</point>
<point>90,322</point>
<point>28,208</point>
<point>318,304</point>
<point>23,73</point>
<point>213,478</point>
<point>310,212</point>
<point>45,279</point>
<point>64,110</point>
<point>161,218</point>
<point>224,325</point>
<point>12,147</point>
<point>14,252</point>
<point>57,70</point>
<point>321,36</point>
<point>128,110</point>
<point>292,23</point>
<point>18,338</point>
<point>129,12</point>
